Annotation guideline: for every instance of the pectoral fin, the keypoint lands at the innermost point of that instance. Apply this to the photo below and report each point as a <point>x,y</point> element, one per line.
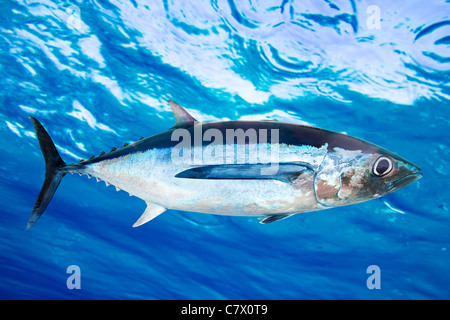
<point>277,171</point>
<point>152,211</point>
<point>274,217</point>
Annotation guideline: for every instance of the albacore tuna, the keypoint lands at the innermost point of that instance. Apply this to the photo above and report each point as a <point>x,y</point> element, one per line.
<point>267,169</point>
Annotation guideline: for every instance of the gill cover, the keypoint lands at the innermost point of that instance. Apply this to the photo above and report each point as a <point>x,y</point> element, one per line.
<point>327,182</point>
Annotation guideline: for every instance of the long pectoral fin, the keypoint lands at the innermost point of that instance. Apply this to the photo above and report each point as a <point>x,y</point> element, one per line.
<point>277,171</point>
<point>152,211</point>
<point>274,217</point>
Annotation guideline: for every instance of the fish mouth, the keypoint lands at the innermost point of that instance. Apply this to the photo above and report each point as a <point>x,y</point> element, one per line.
<point>404,181</point>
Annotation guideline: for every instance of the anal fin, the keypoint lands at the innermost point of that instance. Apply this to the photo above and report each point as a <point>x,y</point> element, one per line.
<point>152,211</point>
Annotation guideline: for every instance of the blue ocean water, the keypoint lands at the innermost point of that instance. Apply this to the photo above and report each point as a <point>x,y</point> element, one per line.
<point>98,74</point>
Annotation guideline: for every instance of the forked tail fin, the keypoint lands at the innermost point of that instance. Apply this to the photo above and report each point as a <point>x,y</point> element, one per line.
<point>53,172</point>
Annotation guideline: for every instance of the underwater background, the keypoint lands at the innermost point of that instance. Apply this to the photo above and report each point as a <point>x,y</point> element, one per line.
<point>98,74</point>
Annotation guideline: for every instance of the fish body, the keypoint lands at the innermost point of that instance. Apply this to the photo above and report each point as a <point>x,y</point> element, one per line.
<point>267,169</point>
<point>238,188</point>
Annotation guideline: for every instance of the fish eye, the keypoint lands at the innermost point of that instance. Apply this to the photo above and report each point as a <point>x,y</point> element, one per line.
<point>382,166</point>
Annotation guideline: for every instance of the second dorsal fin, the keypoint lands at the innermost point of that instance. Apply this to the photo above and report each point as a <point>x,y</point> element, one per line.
<point>182,117</point>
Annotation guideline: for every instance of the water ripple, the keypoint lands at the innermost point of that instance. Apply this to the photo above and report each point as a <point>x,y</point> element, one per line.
<point>431,46</point>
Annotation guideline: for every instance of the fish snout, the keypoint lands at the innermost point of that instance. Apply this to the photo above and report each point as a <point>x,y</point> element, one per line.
<point>413,175</point>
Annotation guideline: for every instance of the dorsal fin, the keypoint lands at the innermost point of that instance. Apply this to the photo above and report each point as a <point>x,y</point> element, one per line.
<point>182,117</point>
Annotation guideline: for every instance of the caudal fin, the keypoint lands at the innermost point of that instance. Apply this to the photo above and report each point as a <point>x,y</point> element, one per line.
<point>53,172</point>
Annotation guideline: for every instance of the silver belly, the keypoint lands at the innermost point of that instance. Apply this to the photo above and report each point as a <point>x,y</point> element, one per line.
<point>150,176</point>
